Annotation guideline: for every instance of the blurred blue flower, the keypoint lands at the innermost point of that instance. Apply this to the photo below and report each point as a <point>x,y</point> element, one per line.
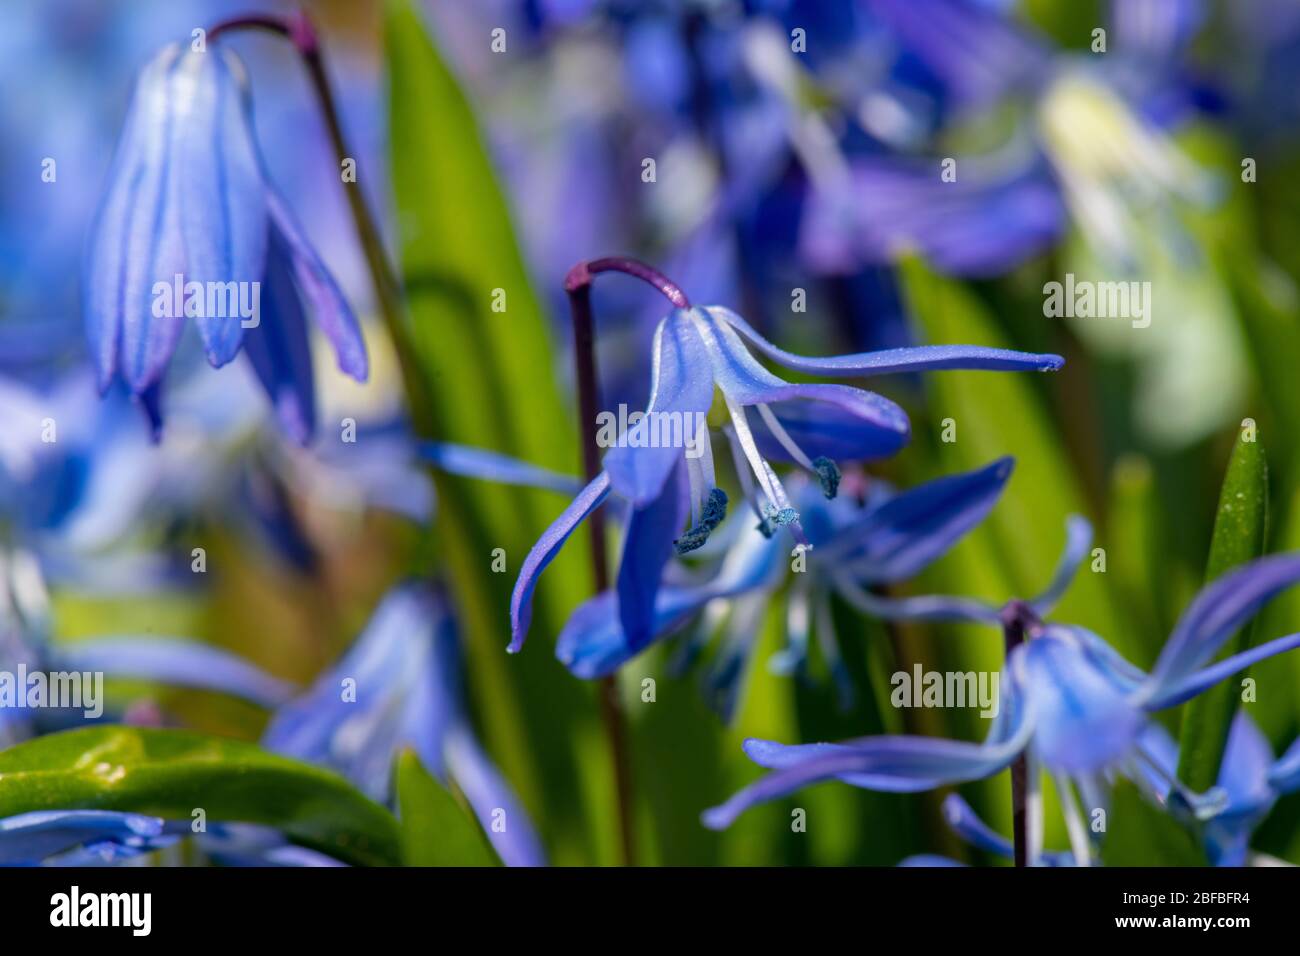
<point>79,837</point>
<point>188,202</point>
<point>667,479</point>
<point>887,539</point>
<point>399,686</point>
<point>1249,777</point>
<point>1069,702</point>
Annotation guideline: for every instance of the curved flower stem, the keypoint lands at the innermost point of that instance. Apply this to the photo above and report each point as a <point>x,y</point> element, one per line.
<point>581,275</point>
<point>578,285</point>
<point>300,31</point>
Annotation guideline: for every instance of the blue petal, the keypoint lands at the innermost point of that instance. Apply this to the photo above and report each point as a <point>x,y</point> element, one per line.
<point>896,764</point>
<point>470,462</point>
<point>681,392</point>
<point>963,821</point>
<point>280,350</point>
<point>1218,612</point>
<point>328,309</point>
<point>1285,775</point>
<point>28,838</point>
<point>404,693</point>
<point>220,195</point>
<point>926,607</point>
<point>135,240</point>
<point>925,358</point>
<point>1085,717</point>
<point>821,429</point>
<point>978,55</point>
<point>647,547</point>
<point>487,792</point>
<point>1247,763</point>
<point>172,661</point>
<point>1173,691</point>
<point>880,428</point>
<point>544,552</point>
<point>905,534</point>
<point>1078,538</point>
<point>592,643</point>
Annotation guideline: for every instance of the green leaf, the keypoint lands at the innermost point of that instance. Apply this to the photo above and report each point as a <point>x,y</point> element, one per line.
<point>1013,552</point>
<point>171,773</point>
<point>437,829</point>
<point>1002,413</point>
<point>1239,535</point>
<point>1138,553</point>
<point>491,378</point>
<point>1139,834</point>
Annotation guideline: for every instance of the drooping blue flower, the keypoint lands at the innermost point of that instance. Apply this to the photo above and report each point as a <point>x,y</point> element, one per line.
<point>1250,782</point>
<point>188,202</point>
<point>886,539</point>
<point>663,464</point>
<point>399,686</point>
<point>1069,702</point>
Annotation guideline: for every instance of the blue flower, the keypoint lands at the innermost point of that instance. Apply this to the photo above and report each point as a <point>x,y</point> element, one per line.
<point>109,837</point>
<point>79,837</point>
<point>663,464</point>
<point>1069,702</point>
<point>889,538</point>
<point>1250,782</point>
<point>188,202</point>
<point>399,686</point>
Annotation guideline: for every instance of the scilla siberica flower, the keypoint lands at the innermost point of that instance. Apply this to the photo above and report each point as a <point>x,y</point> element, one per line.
<point>399,686</point>
<point>668,482</point>
<point>1250,782</point>
<point>1069,702</point>
<point>887,538</point>
<point>190,208</point>
<point>113,837</point>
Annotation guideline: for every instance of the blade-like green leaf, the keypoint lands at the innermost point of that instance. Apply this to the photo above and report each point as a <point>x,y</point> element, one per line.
<point>437,829</point>
<point>1239,535</point>
<point>1000,413</point>
<point>171,773</point>
<point>1139,834</point>
<point>484,347</point>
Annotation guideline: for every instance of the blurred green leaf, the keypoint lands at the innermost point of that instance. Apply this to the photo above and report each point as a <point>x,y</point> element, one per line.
<point>171,773</point>
<point>1138,834</point>
<point>1138,553</point>
<point>484,346</point>
<point>437,829</point>
<point>1001,413</point>
<point>1239,536</point>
